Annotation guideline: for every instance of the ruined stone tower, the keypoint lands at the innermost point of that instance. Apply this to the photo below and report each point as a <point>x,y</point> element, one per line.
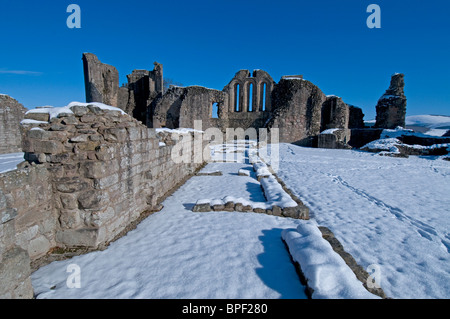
<point>391,107</point>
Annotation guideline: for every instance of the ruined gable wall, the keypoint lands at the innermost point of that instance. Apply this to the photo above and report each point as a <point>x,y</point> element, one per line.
<point>11,113</point>
<point>249,99</point>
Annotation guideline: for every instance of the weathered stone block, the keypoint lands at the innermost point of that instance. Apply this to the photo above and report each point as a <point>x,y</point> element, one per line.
<point>96,169</point>
<point>69,201</point>
<point>105,152</point>
<point>105,182</point>
<point>57,158</point>
<point>276,210</point>
<point>259,210</point>
<point>15,274</point>
<point>205,207</point>
<point>70,184</point>
<point>218,208</point>
<point>7,214</point>
<point>70,218</point>
<point>48,147</point>
<point>86,237</point>
<point>88,118</point>
<point>87,146</point>
<point>44,117</point>
<point>38,247</point>
<point>115,134</point>
<point>79,110</point>
<point>80,138</point>
<point>70,120</point>
<point>92,199</point>
<point>135,133</point>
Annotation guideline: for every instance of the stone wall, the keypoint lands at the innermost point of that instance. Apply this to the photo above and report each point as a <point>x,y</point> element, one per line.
<point>360,137</point>
<point>334,138</point>
<point>297,106</point>
<point>90,172</point>
<point>181,106</point>
<point>106,167</point>
<point>11,113</point>
<point>335,113</point>
<point>356,117</point>
<point>27,227</point>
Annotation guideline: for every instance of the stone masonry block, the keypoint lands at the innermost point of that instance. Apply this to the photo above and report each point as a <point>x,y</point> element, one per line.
<point>86,237</point>
<point>14,272</point>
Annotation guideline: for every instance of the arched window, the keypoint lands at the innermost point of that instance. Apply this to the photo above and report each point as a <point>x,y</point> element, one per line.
<point>237,106</point>
<point>263,96</point>
<point>250,97</point>
<point>215,111</point>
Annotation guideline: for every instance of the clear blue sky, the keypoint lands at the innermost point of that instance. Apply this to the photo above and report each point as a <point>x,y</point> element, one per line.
<point>207,42</point>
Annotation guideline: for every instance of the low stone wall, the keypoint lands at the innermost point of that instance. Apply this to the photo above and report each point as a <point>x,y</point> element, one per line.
<point>89,173</point>
<point>27,227</point>
<point>299,211</point>
<point>360,137</point>
<point>334,139</point>
<point>11,113</point>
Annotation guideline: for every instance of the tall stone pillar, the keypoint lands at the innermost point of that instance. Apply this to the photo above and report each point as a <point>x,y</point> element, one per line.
<point>391,107</point>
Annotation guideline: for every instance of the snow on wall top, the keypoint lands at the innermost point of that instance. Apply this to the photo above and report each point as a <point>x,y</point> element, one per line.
<point>56,111</point>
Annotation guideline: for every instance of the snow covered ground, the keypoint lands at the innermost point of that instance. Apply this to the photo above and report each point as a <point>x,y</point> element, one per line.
<point>391,212</point>
<point>388,212</point>
<point>176,253</point>
<point>8,162</point>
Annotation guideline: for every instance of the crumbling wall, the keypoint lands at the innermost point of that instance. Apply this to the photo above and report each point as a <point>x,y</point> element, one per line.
<point>11,113</point>
<point>356,117</point>
<point>181,106</point>
<point>106,167</point>
<point>27,227</point>
<point>143,87</point>
<point>335,113</point>
<point>90,171</point>
<point>297,107</point>
<point>101,81</point>
<point>391,107</point>
<point>102,85</point>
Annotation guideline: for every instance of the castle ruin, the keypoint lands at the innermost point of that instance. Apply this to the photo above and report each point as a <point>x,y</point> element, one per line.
<point>91,172</point>
<point>297,107</point>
